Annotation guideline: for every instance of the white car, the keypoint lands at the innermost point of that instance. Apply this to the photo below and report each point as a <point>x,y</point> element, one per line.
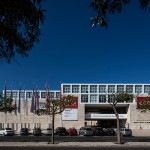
<point>48,131</point>
<point>7,131</point>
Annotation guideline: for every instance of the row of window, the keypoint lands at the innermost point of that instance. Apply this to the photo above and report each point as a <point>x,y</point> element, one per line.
<point>105,89</point>
<point>29,94</point>
<point>85,98</point>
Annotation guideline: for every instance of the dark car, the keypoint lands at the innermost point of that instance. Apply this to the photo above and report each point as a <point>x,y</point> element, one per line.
<point>61,131</point>
<point>109,132</point>
<point>72,132</point>
<point>37,131</point>
<point>24,131</point>
<point>98,131</point>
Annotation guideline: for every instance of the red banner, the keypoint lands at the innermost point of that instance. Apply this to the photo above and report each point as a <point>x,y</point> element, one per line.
<point>143,102</point>
<point>75,104</point>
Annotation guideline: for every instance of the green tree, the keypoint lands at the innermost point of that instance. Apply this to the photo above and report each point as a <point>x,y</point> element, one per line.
<point>117,98</point>
<point>6,105</point>
<point>103,8</point>
<point>20,22</point>
<point>53,107</point>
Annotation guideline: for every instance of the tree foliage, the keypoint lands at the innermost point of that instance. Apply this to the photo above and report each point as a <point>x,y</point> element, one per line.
<point>19,27</point>
<point>119,98</point>
<point>105,7</point>
<point>55,106</point>
<point>7,105</point>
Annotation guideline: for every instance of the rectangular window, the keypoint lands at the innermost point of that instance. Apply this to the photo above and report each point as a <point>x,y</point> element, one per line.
<point>102,89</point>
<point>93,88</point>
<point>28,94</point>
<point>57,94</point>
<point>41,105</point>
<point>14,94</point>
<point>75,88</point>
<point>129,88</point>
<point>110,98</point>
<point>102,98</point>
<point>93,99</point>
<point>84,98</point>
<point>138,88</point>
<point>43,94</point>
<point>147,89</point>
<point>51,94</point>
<point>22,94</point>
<point>66,89</point>
<point>111,88</point>
<point>120,88</point>
<point>84,88</point>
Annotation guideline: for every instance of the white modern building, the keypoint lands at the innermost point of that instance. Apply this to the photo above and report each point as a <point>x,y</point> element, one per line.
<point>91,108</point>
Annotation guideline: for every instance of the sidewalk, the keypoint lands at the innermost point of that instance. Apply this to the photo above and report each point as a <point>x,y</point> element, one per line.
<point>74,144</point>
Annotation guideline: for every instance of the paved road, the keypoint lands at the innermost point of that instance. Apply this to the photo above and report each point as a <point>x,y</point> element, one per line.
<point>73,139</point>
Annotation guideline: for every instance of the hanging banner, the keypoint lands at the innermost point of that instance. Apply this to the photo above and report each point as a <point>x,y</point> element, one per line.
<point>143,102</point>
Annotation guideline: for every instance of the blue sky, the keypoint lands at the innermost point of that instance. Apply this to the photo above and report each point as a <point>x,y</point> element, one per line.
<point>71,51</point>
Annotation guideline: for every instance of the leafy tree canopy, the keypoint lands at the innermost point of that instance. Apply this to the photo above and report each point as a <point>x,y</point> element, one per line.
<point>105,7</point>
<point>6,105</point>
<point>19,27</point>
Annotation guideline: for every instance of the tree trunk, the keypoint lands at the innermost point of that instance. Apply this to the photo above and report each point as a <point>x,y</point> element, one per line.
<point>118,126</point>
<point>53,118</point>
<point>52,137</point>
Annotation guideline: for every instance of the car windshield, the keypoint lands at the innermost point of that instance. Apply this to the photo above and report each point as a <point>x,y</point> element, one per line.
<point>88,129</point>
<point>127,130</point>
<point>24,129</point>
<point>8,128</point>
<point>48,129</point>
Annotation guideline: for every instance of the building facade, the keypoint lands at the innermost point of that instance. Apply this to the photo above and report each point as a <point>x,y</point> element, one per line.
<point>92,107</point>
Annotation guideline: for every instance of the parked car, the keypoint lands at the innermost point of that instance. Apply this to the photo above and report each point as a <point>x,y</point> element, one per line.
<point>86,131</point>
<point>24,131</point>
<point>72,131</point>
<point>109,132</point>
<point>48,131</point>
<point>37,131</point>
<point>125,132</point>
<point>98,131</point>
<point>7,131</point>
<point>61,131</point>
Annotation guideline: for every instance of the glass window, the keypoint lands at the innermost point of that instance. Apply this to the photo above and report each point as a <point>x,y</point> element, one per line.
<point>84,98</point>
<point>28,94</point>
<point>51,94</point>
<point>138,88</point>
<point>102,89</point>
<point>22,94</point>
<point>146,88</point>
<point>110,98</point>
<point>14,94</point>
<point>43,94</point>
<point>111,88</point>
<point>57,94</point>
<point>66,88</point>
<point>120,88</point>
<point>41,105</point>
<point>93,98</point>
<point>7,94</point>
<point>84,88</point>
<point>93,88</point>
<point>75,88</point>
<point>129,88</point>
<point>102,98</point>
